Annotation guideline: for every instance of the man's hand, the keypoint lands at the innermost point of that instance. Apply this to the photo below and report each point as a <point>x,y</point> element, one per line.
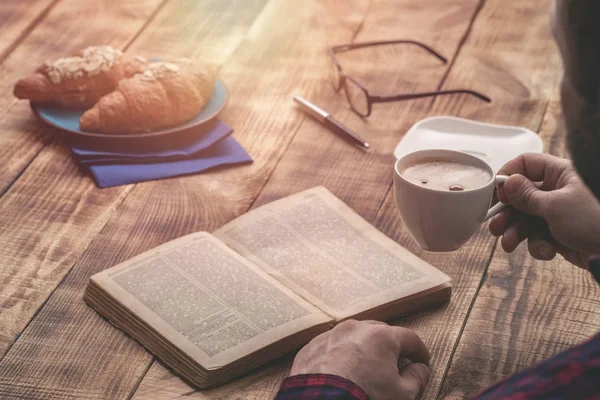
<point>367,354</point>
<point>551,208</point>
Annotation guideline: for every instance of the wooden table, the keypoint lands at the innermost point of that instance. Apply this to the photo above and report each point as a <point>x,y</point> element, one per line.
<point>57,228</point>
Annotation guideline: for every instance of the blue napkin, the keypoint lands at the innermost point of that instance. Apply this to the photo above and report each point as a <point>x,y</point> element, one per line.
<point>206,147</point>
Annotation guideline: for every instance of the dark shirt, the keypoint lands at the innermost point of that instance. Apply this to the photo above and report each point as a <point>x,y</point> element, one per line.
<point>573,374</point>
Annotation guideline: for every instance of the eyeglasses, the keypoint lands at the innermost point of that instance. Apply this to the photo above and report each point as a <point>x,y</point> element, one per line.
<point>361,101</point>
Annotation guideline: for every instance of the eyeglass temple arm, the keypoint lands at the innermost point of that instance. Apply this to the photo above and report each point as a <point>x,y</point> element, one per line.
<point>347,47</point>
<point>387,99</point>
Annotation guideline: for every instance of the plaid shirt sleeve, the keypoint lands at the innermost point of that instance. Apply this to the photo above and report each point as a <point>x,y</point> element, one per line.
<point>573,374</point>
<point>319,386</point>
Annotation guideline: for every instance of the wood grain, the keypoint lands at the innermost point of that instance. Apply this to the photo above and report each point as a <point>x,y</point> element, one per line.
<point>47,221</point>
<point>178,206</point>
<point>517,67</point>
<point>40,247</point>
<point>553,131</point>
<point>67,351</point>
<point>362,180</point>
<point>521,77</point>
<point>317,157</point>
<point>526,310</point>
<point>17,19</point>
<point>32,368</point>
<point>161,383</point>
<point>70,26</point>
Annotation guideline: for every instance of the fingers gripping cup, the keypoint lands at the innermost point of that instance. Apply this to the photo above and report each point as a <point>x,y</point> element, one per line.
<point>443,196</point>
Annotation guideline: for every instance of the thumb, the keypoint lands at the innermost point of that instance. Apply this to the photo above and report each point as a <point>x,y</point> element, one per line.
<point>524,195</point>
<point>413,379</point>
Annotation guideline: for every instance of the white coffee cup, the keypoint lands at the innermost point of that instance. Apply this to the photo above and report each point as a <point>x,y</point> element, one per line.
<point>441,220</point>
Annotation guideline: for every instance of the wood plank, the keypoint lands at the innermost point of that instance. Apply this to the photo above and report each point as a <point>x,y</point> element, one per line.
<point>520,88</point>
<point>47,222</point>
<point>527,310</point>
<point>553,132</point>
<point>161,383</point>
<point>36,366</point>
<point>70,26</point>
<point>316,157</point>
<point>50,215</point>
<point>17,19</point>
<point>73,287</point>
<point>363,181</point>
<point>174,206</point>
<point>519,68</point>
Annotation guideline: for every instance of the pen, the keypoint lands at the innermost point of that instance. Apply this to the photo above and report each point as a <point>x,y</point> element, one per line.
<point>331,123</point>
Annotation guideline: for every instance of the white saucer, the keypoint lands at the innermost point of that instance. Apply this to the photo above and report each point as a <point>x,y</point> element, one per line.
<point>496,144</point>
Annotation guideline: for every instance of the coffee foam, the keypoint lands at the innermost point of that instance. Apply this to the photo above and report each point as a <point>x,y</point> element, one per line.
<point>446,175</point>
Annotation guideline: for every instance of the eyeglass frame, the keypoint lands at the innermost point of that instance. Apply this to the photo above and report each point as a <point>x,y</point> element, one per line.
<point>372,99</point>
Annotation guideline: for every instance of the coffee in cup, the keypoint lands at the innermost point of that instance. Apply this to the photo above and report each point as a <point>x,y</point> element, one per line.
<point>443,196</point>
<point>442,174</point>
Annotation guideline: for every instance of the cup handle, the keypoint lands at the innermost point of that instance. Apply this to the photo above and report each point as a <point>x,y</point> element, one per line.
<point>500,206</point>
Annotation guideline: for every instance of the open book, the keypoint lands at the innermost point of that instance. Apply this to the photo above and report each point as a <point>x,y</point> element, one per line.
<point>213,307</point>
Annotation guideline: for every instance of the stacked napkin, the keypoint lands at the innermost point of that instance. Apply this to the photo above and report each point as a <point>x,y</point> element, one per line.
<point>194,150</point>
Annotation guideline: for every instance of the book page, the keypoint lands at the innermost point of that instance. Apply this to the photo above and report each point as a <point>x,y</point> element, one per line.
<point>318,247</point>
<point>212,304</point>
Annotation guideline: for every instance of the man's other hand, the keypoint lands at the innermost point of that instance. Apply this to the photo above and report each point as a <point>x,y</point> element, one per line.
<point>367,354</point>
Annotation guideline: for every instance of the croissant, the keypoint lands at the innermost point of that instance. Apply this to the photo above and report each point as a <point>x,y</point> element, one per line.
<point>164,95</point>
<point>79,81</point>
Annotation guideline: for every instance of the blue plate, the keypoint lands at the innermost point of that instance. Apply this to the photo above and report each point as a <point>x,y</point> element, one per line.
<point>68,120</point>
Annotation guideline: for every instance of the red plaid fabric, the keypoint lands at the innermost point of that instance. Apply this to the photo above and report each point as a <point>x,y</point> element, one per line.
<point>319,386</point>
<point>573,374</point>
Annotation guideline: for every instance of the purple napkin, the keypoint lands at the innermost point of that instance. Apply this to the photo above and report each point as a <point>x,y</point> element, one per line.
<point>206,147</point>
